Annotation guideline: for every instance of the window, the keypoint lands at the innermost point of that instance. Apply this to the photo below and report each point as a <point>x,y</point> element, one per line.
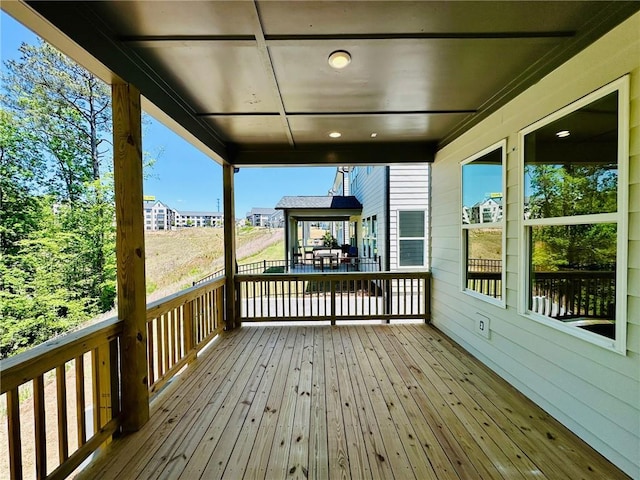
<point>574,216</point>
<point>370,236</point>
<point>482,224</point>
<point>411,238</point>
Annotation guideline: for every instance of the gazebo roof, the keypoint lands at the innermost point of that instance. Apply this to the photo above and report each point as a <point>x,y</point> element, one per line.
<point>320,207</point>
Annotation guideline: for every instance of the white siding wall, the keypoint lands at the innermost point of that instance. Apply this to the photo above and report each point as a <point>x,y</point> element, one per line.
<point>593,391</point>
<point>409,190</point>
<point>369,189</point>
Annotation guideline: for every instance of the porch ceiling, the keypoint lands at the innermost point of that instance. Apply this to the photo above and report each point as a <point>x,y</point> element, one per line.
<point>249,80</point>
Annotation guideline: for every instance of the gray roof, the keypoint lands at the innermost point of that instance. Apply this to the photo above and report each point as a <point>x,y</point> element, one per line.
<point>325,202</point>
<point>199,214</point>
<point>261,211</point>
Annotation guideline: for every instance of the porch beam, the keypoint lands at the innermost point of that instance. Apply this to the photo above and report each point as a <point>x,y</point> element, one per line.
<point>127,171</point>
<point>229,246</point>
<point>344,154</point>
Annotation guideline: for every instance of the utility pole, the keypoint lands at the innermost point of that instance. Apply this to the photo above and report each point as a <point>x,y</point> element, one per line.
<point>218,205</point>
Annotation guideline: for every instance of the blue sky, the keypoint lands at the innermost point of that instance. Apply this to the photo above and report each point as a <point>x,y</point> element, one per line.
<point>185,178</point>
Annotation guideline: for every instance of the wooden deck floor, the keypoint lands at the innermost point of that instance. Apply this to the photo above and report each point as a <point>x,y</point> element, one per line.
<point>398,401</point>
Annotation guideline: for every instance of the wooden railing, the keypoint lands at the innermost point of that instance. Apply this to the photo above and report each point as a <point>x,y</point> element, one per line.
<point>66,392</point>
<point>484,265</point>
<point>577,293</point>
<point>487,283</point>
<point>559,294</point>
<point>334,296</point>
<point>179,326</point>
<point>66,410</point>
<point>354,264</point>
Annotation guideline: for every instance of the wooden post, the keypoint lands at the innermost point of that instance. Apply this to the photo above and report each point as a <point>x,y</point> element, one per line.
<point>127,173</point>
<point>229,247</point>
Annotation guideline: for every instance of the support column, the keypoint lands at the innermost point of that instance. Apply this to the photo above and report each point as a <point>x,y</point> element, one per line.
<point>230,318</point>
<point>289,258</point>
<point>132,308</point>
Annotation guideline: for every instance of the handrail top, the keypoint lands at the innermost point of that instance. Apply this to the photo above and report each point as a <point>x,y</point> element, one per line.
<point>331,275</point>
<point>169,302</point>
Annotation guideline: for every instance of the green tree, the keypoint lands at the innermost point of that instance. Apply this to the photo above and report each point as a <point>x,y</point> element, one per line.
<point>568,191</point>
<point>19,164</point>
<point>57,235</point>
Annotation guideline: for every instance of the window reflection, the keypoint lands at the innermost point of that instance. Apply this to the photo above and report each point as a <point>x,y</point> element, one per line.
<point>482,216</point>
<point>571,163</point>
<point>482,189</point>
<point>484,261</point>
<point>573,275</point>
<point>571,170</point>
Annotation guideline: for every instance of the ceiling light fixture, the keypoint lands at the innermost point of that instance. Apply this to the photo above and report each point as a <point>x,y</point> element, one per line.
<point>335,134</point>
<point>374,135</point>
<point>339,59</point>
<point>563,133</point>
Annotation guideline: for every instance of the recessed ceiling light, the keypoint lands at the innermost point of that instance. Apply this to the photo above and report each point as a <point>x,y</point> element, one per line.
<point>335,134</point>
<point>339,59</point>
<point>563,133</point>
<point>374,135</point>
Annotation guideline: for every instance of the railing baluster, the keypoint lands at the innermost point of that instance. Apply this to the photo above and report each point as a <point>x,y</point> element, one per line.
<point>15,443</point>
<point>61,391</point>
<point>150,355</point>
<point>95,389</point>
<point>80,401</point>
<point>333,302</point>
<point>40,427</point>
<point>165,342</point>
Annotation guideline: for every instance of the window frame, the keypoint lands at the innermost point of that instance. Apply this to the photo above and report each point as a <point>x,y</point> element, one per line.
<point>620,218</point>
<point>424,238</point>
<point>500,302</point>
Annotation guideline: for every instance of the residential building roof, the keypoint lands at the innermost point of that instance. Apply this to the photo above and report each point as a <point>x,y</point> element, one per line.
<point>261,211</point>
<point>199,214</point>
<point>319,202</point>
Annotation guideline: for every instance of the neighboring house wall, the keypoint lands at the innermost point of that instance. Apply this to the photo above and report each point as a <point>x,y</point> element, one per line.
<point>592,390</point>
<point>368,186</point>
<point>276,220</point>
<point>408,191</point>
<point>341,187</point>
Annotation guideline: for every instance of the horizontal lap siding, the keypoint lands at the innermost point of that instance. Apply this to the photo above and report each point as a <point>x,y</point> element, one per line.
<point>408,190</point>
<point>595,392</point>
<point>369,189</point>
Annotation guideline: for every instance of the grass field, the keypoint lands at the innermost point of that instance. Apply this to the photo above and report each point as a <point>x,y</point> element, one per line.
<point>175,259</point>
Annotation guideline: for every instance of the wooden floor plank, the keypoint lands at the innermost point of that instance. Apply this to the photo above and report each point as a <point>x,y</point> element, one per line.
<point>470,460</point>
<point>170,412</point>
<point>201,444</point>
<point>469,406</point>
<point>481,428</point>
<point>178,447</point>
<point>403,382</point>
<point>269,393</point>
<point>337,440</point>
<point>251,404</point>
<point>328,402</point>
<point>298,461</point>
<point>373,436</point>
<point>564,455</point>
<point>390,447</point>
<point>256,463</point>
<point>275,466</point>
<point>318,448</point>
<point>358,461</point>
